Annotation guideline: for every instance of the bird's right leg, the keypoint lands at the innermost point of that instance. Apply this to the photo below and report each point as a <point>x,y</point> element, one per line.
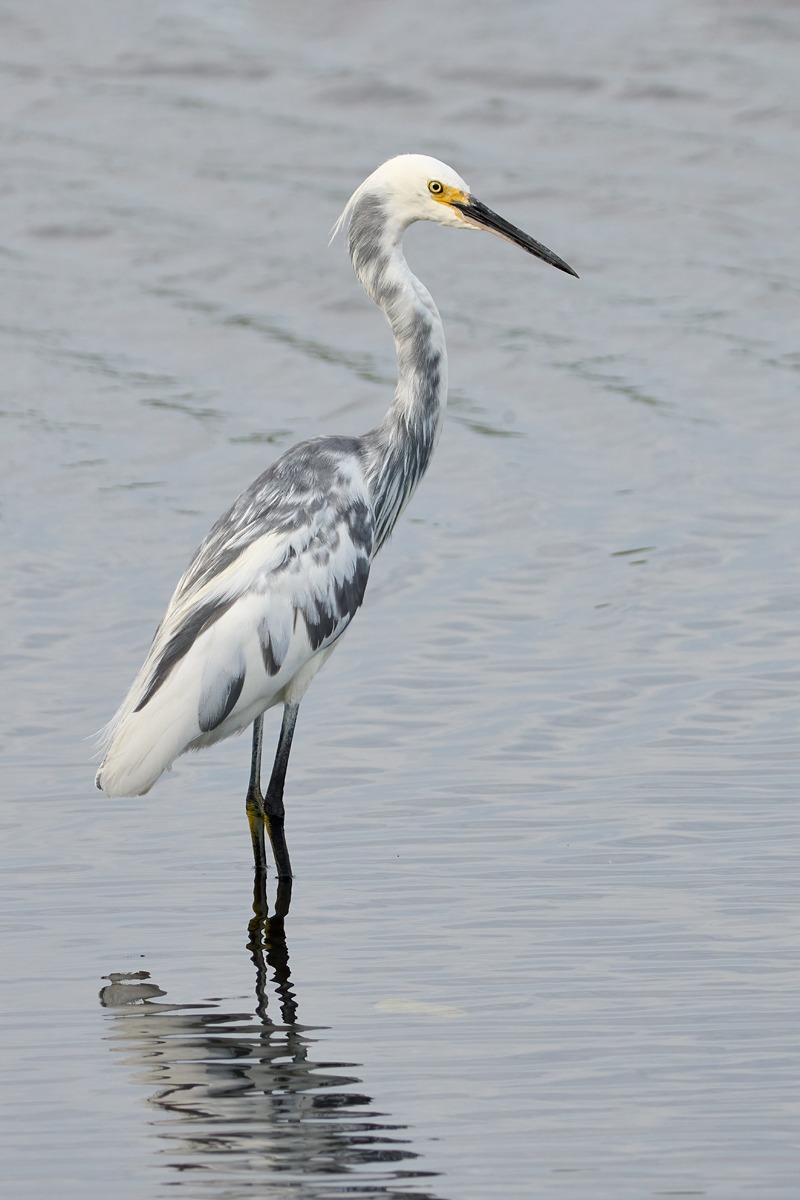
<point>273,802</point>
<point>255,801</point>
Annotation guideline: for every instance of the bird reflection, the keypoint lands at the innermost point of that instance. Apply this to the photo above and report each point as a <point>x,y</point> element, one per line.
<point>244,1102</point>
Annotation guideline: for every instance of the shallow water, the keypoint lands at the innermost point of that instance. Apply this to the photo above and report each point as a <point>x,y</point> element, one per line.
<point>544,935</point>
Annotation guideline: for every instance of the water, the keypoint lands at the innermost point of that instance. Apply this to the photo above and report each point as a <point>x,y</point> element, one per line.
<point>544,936</point>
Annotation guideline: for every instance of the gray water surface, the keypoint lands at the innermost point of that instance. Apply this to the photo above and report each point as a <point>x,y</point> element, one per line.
<point>543,940</point>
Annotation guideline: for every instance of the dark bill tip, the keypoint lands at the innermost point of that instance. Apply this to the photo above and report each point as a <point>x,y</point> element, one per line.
<point>483,218</point>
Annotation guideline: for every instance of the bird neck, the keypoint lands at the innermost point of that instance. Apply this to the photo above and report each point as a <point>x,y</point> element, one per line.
<point>399,450</point>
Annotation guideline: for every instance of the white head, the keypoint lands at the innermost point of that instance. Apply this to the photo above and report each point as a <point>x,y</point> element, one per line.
<point>415,187</point>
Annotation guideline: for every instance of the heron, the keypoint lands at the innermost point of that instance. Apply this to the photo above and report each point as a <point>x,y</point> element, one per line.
<point>278,579</point>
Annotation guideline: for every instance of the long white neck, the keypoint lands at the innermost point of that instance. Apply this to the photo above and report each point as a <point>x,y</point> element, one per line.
<point>398,451</point>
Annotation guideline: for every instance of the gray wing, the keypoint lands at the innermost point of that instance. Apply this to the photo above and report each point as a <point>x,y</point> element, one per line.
<point>296,545</point>
<point>309,479</point>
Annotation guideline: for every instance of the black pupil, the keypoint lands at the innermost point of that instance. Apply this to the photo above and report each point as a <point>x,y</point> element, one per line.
<point>436,187</point>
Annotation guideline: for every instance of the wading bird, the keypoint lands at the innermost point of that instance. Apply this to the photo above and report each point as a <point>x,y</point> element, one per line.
<point>281,575</point>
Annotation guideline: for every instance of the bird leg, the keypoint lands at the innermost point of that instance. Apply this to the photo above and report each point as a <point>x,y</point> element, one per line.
<point>267,812</point>
<point>255,802</point>
<point>273,801</point>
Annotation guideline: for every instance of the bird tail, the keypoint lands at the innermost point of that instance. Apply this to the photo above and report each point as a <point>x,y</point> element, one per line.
<point>147,733</point>
<point>138,747</point>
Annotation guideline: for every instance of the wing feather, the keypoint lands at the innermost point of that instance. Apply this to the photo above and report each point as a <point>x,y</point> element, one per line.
<point>274,585</point>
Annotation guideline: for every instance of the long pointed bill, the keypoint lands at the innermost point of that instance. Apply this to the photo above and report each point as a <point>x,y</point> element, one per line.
<point>481,217</point>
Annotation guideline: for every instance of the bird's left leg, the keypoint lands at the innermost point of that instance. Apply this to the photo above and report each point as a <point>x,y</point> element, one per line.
<point>273,801</point>
<point>255,801</point>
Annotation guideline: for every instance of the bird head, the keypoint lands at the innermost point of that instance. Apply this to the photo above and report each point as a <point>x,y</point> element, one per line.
<point>415,187</point>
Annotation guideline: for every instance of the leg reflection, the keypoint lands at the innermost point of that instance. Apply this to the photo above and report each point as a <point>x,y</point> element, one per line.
<point>250,1100</point>
<point>266,941</point>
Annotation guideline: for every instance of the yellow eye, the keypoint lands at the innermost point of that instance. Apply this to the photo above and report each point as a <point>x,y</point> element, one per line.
<point>435,188</point>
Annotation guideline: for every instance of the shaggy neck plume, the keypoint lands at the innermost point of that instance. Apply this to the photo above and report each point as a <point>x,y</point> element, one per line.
<point>398,451</point>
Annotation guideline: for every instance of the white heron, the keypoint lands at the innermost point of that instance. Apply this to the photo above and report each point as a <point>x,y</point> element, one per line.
<point>282,573</point>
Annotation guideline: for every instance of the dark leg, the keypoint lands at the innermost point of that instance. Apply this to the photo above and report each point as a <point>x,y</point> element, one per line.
<point>273,801</point>
<point>255,802</point>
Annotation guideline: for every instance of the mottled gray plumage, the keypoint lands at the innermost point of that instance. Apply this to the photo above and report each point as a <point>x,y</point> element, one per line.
<point>282,573</point>
<point>304,498</point>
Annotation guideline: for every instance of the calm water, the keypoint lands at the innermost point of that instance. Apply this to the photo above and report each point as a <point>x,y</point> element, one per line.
<point>544,939</point>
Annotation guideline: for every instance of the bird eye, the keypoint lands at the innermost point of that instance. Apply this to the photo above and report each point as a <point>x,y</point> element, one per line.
<point>435,188</point>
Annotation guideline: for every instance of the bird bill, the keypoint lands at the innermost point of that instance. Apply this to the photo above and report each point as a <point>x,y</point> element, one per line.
<point>479,216</point>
